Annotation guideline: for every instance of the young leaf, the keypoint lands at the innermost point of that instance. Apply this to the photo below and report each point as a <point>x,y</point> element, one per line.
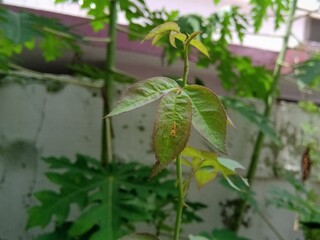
<point>209,116</point>
<point>199,45</point>
<point>165,27</point>
<point>171,129</point>
<point>144,92</point>
<point>206,166</point>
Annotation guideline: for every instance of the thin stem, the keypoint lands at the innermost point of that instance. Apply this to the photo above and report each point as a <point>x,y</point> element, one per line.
<point>186,65</point>
<point>178,159</point>
<point>272,92</point>
<point>269,102</point>
<point>180,199</point>
<point>106,146</point>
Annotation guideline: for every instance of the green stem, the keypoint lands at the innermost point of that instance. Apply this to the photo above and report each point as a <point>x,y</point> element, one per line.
<point>269,102</point>
<point>106,144</point>
<point>272,93</point>
<point>186,65</point>
<point>180,199</point>
<point>178,159</point>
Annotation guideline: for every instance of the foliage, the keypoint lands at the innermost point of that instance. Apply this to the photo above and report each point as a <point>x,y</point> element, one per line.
<point>307,73</point>
<point>260,9</point>
<point>304,201</point>
<point>122,189</point>
<point>21,30</point>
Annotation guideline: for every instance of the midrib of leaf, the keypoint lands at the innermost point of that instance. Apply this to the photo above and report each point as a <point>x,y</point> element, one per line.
<point>173,117</point>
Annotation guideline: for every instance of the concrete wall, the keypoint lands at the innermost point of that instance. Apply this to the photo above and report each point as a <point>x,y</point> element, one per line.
<point>36,123</point>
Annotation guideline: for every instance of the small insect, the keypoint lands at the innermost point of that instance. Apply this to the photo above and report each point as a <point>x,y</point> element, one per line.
<point>173,131</point>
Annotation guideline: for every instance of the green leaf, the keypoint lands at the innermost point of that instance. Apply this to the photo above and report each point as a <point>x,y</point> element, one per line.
<point>199,45</point>
<point>144,92</point>
<point>172,128</point>
<point>253,116</point>
<point>206,166</point>
<point>108,199</point>
<point>308,73</point>
<point>209,116</point>
<point>163,28</point>
<point>139,236</point>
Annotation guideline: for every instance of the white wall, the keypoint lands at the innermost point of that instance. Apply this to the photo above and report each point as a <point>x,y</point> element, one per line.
<point>35,123</point>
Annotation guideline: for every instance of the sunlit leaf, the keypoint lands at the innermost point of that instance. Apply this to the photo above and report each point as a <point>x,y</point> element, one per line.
<point>199,45</point>
<point>171,129</point>
<point>209,116</point>
<point>165,27</point>
<point>207,165</point>
<point>144,92</point>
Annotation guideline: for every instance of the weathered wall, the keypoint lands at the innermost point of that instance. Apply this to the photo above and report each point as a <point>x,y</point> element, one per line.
<point>36,123</point>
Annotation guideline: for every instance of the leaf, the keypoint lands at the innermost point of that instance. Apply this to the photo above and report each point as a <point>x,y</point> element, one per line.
<point>171,129</point>
<point>104,196</point>
<point>206,166</point>
<point>253,116</point>
<point>158,37</point>
<point>199,45</point>
<point>308,72</point>
<point>209,116</point>
<point>144,92</point>
<point>19,27</point>
<point>165,27</point>
<point>139,236</point>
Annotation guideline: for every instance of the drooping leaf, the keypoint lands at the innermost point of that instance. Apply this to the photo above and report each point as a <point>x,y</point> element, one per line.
<point>163,28</point>
<point>209,116</point>
<point>171,129</point>
<point>144,92</point>
<point>139,236</point>
<point>262,123</point>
